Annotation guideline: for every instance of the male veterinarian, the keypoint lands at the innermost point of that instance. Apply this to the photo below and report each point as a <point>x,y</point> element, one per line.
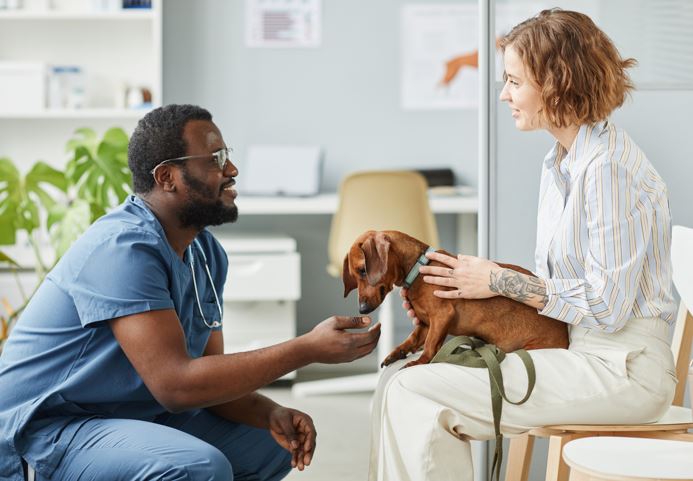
<point>115,370</point>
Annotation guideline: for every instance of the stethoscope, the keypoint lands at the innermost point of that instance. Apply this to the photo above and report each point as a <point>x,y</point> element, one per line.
<point>211,282</point>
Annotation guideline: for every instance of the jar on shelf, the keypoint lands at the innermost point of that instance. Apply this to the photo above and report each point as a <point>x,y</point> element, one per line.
<point>66,87</point>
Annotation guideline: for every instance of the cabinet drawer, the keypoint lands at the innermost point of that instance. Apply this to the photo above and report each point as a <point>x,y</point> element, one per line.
<point>246,322</point>
<point>263,277</point>
<point>254,325</point>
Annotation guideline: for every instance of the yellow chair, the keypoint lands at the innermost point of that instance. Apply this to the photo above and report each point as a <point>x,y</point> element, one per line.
<point>675,423</point>
<point>379,200</point>
<point>374,200</point>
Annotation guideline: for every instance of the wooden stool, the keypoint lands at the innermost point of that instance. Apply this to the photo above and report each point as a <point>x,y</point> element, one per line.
<point>629,459</point>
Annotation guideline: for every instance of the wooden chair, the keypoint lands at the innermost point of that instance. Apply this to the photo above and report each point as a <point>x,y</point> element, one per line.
<point>673,425</point>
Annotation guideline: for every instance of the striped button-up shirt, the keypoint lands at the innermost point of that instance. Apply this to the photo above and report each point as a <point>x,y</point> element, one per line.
<point>604,232</point>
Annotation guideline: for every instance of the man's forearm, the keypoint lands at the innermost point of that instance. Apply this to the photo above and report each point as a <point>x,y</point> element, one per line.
<point>243,373</point>
<point>520,287</point>
<point>252,409</point>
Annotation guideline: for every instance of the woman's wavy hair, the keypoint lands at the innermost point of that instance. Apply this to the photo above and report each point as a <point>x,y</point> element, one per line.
<point>579,72</point>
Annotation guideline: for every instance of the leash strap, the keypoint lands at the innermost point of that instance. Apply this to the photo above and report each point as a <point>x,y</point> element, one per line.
<point>472,352</point>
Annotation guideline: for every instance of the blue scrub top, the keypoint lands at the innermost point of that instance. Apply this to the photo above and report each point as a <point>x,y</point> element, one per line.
<point>62,365</point>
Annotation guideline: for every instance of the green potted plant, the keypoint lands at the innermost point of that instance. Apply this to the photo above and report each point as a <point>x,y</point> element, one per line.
<point>51,208</point>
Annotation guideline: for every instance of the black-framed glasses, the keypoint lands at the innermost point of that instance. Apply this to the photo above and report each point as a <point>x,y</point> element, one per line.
<point>221,157</point>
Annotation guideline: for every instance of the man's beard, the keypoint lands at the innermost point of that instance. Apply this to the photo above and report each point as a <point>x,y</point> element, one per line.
<point>198,211</point>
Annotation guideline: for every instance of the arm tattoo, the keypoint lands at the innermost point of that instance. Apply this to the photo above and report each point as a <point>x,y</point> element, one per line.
<point>518,286</point>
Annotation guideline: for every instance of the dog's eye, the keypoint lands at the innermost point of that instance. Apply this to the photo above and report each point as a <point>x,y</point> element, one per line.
<point>362,272</point>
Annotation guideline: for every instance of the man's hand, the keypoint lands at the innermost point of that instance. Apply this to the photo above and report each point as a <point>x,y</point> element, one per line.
<point>406,305</point>
<point>331,343</point>
<point>295,432</point>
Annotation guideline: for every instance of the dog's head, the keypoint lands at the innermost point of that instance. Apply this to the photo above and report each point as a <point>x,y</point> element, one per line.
<point>366,268</point>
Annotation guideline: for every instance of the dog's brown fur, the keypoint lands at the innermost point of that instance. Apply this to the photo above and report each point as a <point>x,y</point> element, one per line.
<point>377,261</point>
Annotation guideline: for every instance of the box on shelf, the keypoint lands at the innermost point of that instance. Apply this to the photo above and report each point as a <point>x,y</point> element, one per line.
<point>22,87</point>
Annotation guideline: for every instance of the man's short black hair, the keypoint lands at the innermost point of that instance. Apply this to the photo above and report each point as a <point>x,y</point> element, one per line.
<point>157,137</point>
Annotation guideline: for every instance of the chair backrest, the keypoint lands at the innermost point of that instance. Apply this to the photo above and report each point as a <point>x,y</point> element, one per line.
<point>380,200</point>
<point>682,262</point>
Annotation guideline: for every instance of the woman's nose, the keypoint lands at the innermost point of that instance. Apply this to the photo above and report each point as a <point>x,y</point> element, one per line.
<point>504,95</point>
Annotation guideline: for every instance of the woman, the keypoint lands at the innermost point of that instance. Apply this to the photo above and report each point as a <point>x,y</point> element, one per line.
<point>602,266</point>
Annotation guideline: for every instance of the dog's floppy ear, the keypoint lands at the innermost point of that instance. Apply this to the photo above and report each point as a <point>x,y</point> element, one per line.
<point>347,278</point>
<point>376,249</point>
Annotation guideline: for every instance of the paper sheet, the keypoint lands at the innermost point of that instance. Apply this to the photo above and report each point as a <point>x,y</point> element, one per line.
<point>432,35</point>
<point>283,23</point>
<point>439,52</point>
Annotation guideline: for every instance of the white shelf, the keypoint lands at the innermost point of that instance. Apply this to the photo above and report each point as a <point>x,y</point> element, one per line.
<point>119,15</point>
<point>123,48</point>
<point>327,204</point>
<point>76,114</point>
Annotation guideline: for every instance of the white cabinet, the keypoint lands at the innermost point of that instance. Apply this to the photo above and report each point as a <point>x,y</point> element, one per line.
<point>115,50</point>
<point>262,287</point>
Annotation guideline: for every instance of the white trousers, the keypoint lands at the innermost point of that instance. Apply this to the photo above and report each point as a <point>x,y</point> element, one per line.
<point>424,416</point>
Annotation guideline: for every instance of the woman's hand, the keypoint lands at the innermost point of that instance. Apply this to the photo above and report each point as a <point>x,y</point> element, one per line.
<point>295,432</point>
<point>469,276</point>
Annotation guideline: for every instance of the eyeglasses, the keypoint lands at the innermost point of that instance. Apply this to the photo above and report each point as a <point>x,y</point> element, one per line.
<point>221,157</point>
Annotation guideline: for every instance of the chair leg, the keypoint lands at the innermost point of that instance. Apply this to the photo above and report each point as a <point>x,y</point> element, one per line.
<point>556,469</point>
<point>519,458</point>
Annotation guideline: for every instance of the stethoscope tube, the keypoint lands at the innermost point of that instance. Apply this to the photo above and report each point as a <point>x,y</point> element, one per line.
<point>214,324</point>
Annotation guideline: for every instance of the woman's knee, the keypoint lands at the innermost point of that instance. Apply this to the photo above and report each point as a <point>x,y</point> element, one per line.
<point>400,392</point>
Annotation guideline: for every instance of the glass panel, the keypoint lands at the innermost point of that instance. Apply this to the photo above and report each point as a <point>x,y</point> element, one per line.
<point>657,33</point>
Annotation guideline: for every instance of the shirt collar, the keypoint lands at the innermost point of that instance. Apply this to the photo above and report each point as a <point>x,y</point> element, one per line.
<point>567,164</point>
<point>138,202</point>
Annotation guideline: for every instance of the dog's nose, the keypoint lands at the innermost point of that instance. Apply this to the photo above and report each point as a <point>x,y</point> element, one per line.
<point>364,308</point>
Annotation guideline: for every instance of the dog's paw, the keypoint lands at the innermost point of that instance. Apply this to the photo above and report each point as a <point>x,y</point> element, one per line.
<point>416,362</point>
<point>394,356</point>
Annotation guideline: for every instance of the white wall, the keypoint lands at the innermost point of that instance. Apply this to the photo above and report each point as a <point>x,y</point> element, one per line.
<point>343,96</point>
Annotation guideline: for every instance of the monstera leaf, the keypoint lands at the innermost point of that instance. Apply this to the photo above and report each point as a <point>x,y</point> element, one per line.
<point>99,168</point>
<point>66,224</point>
<point>20,197</point>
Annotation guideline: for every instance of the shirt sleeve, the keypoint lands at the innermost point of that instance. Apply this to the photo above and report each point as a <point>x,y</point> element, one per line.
<point>618,220</point>
<point>125,274</point>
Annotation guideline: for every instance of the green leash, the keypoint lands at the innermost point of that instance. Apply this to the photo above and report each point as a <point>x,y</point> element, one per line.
<point>472,352</point>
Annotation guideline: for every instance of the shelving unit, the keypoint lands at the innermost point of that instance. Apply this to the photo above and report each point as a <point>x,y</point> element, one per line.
<point>81,114</point>
<point>113,48</point>
<point>131,14</point>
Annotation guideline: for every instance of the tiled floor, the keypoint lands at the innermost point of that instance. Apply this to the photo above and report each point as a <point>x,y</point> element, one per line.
<point>342,422</point>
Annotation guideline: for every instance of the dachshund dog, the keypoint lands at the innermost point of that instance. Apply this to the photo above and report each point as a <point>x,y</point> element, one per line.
<point>378,261</point>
